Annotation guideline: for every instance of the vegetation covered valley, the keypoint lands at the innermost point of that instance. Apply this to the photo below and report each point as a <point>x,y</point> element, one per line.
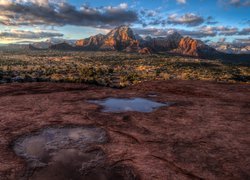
<point>114,69</point>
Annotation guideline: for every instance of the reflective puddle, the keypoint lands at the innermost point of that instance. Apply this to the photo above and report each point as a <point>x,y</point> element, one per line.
<point>129,104</point>
<point>40,147</point>
<point>68,153</point>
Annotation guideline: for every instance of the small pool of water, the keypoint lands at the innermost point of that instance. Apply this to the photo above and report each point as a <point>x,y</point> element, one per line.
<point>40,147</point>
<point>129,104</point>
<point>68,153</point>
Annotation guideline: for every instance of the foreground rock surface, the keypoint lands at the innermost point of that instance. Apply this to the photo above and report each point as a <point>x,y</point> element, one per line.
<point>204,135</point>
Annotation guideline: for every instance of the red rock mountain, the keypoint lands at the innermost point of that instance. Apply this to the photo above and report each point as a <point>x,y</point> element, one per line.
<point>122,38</point>
<point>117,39</point>
<point>91,43</point>
<point>192,47</point>
<point>167,43</point>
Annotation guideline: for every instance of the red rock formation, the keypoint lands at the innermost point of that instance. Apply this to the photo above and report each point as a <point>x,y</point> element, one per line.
<point>167,43</point>
<point>91,43</point>
<point>188,46</point>
<point>145,51</point>
<point>119,38</point>
<point>133,47</point>
<point>122,38</point>
<point>192,47</point>
<point>82,42</point>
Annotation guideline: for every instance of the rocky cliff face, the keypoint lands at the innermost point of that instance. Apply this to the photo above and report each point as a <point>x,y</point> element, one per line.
<point>192,47</point>
<point>133,47</point>
<point>122,38</point>
<point>119,38</point>
<point>82,42</point>
<point>163,43</point>
<point>91,43</point>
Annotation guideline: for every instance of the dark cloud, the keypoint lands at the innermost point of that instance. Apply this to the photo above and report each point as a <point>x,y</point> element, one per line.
<point>236,3</point>
<point>201,32</point>
<point>245,31</point>
<point>152,31</point>
<point>188,19</point>
<point>20,34</point>
<point>32,13</point>
<point>150,17</point>
<point>155,18</point>
<point>224,30</point>
<point>164,32</point>
<point>211,21</point>
<point>198,33</point>
<point>242,41</point>
<point>148,13</point>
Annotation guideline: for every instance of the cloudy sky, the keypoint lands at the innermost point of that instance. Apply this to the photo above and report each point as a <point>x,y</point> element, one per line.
<point>209,20</point>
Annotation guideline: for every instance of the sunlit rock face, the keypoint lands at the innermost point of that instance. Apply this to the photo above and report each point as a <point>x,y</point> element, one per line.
<point>123,38</point>
<point>82,42</point>
<point>119,38</point>
<point>145,51</point>
<point>192,47</point>
<point>91,43</point>
<point>189,46</point>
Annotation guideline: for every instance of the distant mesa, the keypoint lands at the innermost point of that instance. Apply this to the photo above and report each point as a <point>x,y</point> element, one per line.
<point>62,46</point>
<point>32,47</point>
<point>123,39</point>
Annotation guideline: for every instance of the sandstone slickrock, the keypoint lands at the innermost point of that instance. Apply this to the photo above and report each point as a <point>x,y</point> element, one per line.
<point>205,135</point>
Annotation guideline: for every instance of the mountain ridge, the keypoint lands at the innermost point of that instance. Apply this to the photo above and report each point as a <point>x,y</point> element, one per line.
<point>122,38</point>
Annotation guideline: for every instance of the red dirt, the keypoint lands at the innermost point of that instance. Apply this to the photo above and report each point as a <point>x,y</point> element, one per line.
<point>205,135</point>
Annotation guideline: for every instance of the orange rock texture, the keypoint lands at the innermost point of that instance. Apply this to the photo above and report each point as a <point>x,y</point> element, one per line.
<point>189,46</point>
<point>145,51</point>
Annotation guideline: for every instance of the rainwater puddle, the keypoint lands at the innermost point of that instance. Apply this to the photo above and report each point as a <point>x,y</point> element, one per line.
<point>129,104</point>
<point>38,148</point>
<point>68,153</point>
